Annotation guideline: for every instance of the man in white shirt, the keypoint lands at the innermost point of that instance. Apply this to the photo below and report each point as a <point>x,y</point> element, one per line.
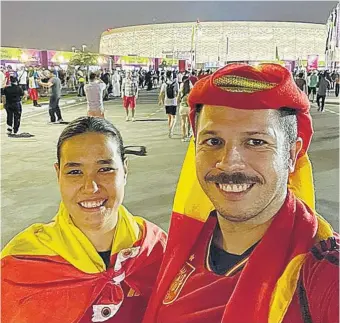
<point>94,95</point>
<point>129,95</point>
<point>22,80</point>
<point>168,98</point>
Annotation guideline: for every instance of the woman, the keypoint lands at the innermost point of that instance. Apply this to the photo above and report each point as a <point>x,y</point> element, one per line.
<point>184,108</point>
<point>94,262</point>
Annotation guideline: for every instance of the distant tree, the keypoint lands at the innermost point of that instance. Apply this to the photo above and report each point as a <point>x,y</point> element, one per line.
<point>84,60</point>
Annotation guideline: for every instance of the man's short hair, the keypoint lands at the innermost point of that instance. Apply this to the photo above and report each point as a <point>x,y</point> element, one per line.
<point>13,79</point>
<point>286,117</point>
<point>90,125</point>
<point>93,76</point>
<point>168,74</point>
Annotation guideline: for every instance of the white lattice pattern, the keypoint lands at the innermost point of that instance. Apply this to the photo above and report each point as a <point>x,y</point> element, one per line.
<point>229,41</point>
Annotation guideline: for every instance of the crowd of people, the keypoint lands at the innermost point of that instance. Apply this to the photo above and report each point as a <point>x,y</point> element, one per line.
<point>245,242</point>
<point>317,84</point>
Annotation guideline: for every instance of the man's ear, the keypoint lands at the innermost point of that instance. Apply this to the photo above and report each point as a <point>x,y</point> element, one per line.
<point>293,154</point>
<point>125,166</point>
<point>57,169</point>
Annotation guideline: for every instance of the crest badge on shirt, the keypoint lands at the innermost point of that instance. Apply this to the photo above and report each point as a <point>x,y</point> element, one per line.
<point>178,283</point>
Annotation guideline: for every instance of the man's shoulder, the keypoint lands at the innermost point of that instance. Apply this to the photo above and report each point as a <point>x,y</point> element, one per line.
<point>321,267</point>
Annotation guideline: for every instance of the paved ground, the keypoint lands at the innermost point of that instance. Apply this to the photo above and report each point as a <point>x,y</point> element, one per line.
<point>30,192</point>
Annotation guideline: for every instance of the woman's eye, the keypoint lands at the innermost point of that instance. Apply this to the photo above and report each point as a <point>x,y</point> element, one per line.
<point>213,142</point>
<point>106,169</point>
<point>256,142</point>
<point>74,172</point>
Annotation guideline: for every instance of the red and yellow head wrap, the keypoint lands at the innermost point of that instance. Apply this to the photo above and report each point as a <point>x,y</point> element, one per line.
<point>267,86</point>
<point>240,86</point>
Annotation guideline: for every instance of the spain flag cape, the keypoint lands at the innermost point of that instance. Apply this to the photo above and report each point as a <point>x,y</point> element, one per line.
<point>52,272</point>
<point>267,284</point>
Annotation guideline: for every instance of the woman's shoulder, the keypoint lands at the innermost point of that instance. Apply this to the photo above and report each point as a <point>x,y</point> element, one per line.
<point>27,242</point>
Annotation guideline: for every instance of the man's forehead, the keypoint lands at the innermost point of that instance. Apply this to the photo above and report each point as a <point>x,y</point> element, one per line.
<point>214,111</point>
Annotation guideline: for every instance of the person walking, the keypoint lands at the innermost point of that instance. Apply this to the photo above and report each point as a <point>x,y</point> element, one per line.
<point>301,82</point>
<point>22,81</point>
<point>184,91</point>
<point>81,84</point>
<point>337,84</point>
<point>324,84</point>
<point>33,87</point>
<point>115,84</point>
<point>312,83</point>
<point>168,98</point>
<point>11,98</point>
<point>129,95</point>
<point>54,110</point>
<point>94,94</point>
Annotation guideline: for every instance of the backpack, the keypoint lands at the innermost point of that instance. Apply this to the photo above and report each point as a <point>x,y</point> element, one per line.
<point>170,90</point>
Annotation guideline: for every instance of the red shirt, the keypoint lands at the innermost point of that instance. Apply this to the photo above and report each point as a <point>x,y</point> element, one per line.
<point>200,296</point>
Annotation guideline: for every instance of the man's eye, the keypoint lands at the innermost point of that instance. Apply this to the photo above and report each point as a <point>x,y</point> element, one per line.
<point>256,142</point>
<point>107,169</point>
<point>74,172</point>
<point>213,142</point>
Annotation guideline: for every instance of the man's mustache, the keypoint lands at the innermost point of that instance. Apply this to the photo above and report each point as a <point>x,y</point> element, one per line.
<point>233,178</point>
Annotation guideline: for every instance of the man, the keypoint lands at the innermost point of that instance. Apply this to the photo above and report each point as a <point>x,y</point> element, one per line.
<point>129,95</point>
<point>11,98</point>
<point>168,98</point>
<point>244,246</point>
<point>22,80</point>
<point>95,262</point>
<point>105,77</point>
<point>337,84</point>
<point>33,85</point>
<point>313,82</point>
<point>54,110</point>
<point>94,95</point>
<point>301,82</point>
<point>323,86</point>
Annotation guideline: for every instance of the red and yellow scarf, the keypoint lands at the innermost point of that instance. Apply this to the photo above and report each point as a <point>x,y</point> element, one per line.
<point>52,272</point>
<point>266,285</point>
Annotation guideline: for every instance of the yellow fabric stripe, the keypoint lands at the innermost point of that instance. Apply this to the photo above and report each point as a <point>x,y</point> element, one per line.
<point>190,199</point>
<point>63,238</point>
<point>285,289</point>
<point>301,181</point>
<point>287,283</point>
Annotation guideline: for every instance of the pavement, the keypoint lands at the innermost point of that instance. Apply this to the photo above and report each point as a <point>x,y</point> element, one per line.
<point>29,185</point>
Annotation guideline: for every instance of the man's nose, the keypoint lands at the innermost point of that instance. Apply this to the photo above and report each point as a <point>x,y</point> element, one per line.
<point>231,159</point>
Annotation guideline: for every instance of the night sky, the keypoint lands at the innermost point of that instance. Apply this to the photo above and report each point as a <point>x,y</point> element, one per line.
<point>61,25</point>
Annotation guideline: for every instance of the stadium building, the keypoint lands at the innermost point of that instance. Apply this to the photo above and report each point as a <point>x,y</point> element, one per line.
<point>216,43</point>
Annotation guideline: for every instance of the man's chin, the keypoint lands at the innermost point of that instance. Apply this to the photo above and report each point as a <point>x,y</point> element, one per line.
<point>234,217</point>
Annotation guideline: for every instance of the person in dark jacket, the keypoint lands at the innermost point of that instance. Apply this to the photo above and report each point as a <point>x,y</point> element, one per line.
<point>11,98</point>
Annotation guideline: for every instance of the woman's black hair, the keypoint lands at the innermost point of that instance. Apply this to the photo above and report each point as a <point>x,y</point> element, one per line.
<point>90,124</point>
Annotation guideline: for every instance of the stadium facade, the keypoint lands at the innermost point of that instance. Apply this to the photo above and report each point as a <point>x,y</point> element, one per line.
<point>219,41</point>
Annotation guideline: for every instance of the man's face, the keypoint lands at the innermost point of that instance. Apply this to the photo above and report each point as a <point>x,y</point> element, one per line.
<point>92,179</point>
<point>243,161</point>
